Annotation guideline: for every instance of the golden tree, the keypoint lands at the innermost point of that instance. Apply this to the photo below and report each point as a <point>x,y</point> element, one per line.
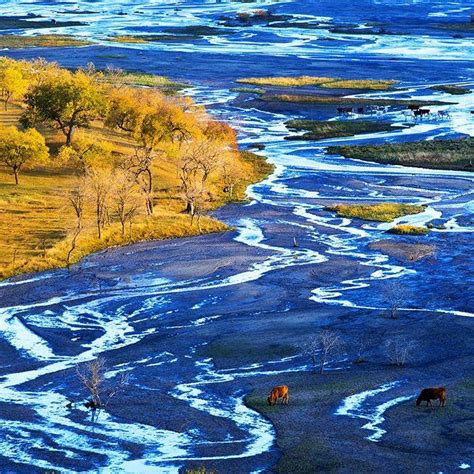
<point>20,150</point>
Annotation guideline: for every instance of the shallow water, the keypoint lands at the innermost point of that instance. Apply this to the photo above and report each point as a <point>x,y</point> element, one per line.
<point>49,337</point>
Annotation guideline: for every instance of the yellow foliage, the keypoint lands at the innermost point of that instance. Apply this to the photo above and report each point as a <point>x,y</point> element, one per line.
<point>126,157</point>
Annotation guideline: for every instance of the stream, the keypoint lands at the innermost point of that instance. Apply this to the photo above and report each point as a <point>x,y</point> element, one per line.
<point>155,326</point>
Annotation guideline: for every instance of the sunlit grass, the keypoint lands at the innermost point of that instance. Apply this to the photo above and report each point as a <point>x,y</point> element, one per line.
<point>44,41</point>
<point>384,212</point>
<point>36,219</point>
<point>326,82</point>
<point>406,229</point>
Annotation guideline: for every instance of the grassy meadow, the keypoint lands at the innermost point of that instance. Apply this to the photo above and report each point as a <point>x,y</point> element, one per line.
<point>455,154</point>
<point>325,82</point>
<point>383,212</point>
<point>37,221</point>
<point>319,129</point>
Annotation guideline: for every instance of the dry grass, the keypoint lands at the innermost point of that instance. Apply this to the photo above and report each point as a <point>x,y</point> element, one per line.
<point>384,212</point>
<point>326,82</point>
<point>298,81</point>
<point>36,219</point>
<point>406,229</point>
<point>43,41</point>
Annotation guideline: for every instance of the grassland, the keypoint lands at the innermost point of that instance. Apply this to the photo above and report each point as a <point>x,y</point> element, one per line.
<point>40,41</point>
<point>384,212</point>
<point>452,89</point>
<point>143,39</point>
<point>328,99</point>
<point>466,26</point>
<point>24,23</point>
<point>318,129</point>
<point>36,219</point>
<point>326,82</point>
<point>405,229</point>
<point>248,90</point>
<point>140,79</point>
<point>455,154</point>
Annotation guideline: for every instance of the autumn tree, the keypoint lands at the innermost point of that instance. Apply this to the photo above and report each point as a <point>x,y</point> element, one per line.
<point>231,174</point>
<point>20,150</point>
<point>86,152</point>
<point>67,103</point>
<point>13,84</point>
<point>125,111</point>
<point>198,161</point>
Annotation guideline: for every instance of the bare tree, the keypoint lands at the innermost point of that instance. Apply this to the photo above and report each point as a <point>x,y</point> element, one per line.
<point>99,185</point>
<point>361,347</point>
<point>198,161</point>
<point>395,296</point>
<point>124,202</point>
<point>399,350</point>
<point>76,198</point>
<point>140,164</point>
<point>92,376</point>
<point>321,348</point>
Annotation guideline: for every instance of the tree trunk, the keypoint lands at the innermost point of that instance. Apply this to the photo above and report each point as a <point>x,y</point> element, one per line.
<point>190,207</point>
<point>15,172</point>
<point>69,134</point>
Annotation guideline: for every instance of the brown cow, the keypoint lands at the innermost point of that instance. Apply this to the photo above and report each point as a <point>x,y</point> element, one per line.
<point>428,394</point>
<point>278,392</point>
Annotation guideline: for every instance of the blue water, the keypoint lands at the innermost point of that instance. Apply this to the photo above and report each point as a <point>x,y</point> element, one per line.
<point>416,53</point>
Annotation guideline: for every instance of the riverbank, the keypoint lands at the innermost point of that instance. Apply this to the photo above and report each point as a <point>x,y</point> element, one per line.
<point>147,164</point>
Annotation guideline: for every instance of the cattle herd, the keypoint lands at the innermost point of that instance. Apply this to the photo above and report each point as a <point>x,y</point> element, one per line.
<point>414,112</point>
<point>426,395</point>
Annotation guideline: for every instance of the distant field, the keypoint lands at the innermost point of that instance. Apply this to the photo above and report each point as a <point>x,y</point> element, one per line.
<point>44,41</point>
<point>384,212</point>
<point>318,129</point>
<point>331,99</point>
<point>326,82</point>
<point>455,154</point>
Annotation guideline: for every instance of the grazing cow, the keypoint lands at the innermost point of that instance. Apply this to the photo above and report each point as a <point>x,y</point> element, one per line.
<point>444,114</point>
<point>344,110</point>
<point>428,394</point>
<point>278,392</point>
<point>421,113</point>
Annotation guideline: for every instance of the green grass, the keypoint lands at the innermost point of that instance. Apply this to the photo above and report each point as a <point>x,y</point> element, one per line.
<point>140,79</point>
<point>467,26</point>
<point>248,90</point>
<point>40,41</point>
<point>298,81</point>
<point>451,89</point>
<point>385,212</point>
<point>16,23</point>
<point>326,82</point>
<point>325,99</point>
<point>143,39</point>
<point>367,84</point>
<point>406,229</point>
<point>456,154</point>
<point>318,130</point>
